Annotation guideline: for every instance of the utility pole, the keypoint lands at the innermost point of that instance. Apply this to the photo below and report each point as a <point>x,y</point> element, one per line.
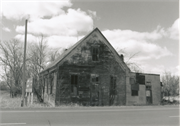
<point>24,67</point>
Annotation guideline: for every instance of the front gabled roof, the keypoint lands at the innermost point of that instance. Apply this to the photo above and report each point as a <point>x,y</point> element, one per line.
<point>63,55</point>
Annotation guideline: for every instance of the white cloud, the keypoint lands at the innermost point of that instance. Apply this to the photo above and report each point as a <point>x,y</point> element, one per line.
<point>6,29</point>
<point>133,42</point>
<point>178,67</point>
<point>49,18</point>
<point>177,70</point>
<point>158,69</point>
<point>60,27</point>
<point>71,23</point>
<point>129,34</point>
<point>174,30</point>
<point>61,41</point>
<point>30,38</point>
<point>53,41</point>
<point>92,13</point>
<point>33,10</point>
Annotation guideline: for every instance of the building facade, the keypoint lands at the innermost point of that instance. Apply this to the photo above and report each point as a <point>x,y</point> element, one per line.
<point>144,89</point>
<point>92,73</point>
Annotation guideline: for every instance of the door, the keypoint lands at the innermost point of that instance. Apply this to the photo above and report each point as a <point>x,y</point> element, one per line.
<point>112,90</point>
<point>148,95</point>
<point>94,89</point>
<point>84,89</point>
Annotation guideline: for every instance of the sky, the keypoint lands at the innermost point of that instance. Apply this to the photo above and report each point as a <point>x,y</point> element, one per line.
<point>147,28</point>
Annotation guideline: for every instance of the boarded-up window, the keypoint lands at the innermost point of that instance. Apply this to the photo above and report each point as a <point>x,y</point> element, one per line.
<point>95,53</point>
<point>132,81</point>
<point>148,82</point>
<point>134,85</point>
<point>95,89</point>
<point>134,93</point>
<point>148,93</point>
<point>95,78</point>
<point>140,79</point>
<point>74,83</point>
<point>113,91</point>
<point>95,81</point>
<point>148,87</point>
<point>113,85</point>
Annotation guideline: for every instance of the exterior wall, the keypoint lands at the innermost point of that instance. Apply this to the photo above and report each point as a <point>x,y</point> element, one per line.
<point>131,100</point>
<point>156,87</point>
<point>142,94</point>
<point>79,62</point>
<point>151,80</point>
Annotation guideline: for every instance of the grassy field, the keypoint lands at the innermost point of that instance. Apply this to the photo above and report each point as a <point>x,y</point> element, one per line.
<point>7,102</point>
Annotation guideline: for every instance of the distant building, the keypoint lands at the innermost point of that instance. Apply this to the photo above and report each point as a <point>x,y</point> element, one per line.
<point>92,73</point>
<point>145,89</point>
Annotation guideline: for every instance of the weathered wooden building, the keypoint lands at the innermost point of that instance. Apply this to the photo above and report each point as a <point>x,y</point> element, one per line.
<point>91,72</point>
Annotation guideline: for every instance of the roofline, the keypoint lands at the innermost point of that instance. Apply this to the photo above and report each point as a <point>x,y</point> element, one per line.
<point>147,73</point>
<point>71,50</point>
<point>113,49</point>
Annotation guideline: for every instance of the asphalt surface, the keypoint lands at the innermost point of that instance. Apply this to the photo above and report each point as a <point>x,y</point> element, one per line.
<point>93,116</point>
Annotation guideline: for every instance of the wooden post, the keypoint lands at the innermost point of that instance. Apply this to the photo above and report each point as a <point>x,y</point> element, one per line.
<point>27,97</point>
<point>57,83</point>
<point>31,98</point>
<point>49,87</point>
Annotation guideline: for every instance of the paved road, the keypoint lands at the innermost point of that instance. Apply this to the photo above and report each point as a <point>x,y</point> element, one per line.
<point>100,116</point>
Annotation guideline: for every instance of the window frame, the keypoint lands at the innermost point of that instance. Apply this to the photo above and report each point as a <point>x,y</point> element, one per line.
<point>95,80</point>
<point>113,84</point>
<point>140,79</point>
<point>148,87</point>
<point>134,93</point>
<point>74,82</point>
<point>95,53</point>
<point>132,81</point>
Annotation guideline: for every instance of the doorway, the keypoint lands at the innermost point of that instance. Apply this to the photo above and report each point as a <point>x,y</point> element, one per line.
<point>148,95</point>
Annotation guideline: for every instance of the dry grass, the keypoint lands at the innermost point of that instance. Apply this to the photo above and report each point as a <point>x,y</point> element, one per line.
<point>7,102</point>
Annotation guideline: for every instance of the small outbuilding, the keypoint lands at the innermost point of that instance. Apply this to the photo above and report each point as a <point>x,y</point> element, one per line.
<point>92,73</point>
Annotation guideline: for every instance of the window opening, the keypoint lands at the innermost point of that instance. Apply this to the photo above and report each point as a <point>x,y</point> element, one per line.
<point>134,93</point>
<point>95,89</point>
<point>95,53</point>
<point>112,89</point>
<point>132,81</point>
<point>74,83</point>
<point>140,79</point>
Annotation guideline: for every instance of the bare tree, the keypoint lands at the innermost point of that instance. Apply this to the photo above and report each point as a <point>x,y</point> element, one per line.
<point>37,62</point>
<point>11,60</point>
<point>128,59</point>
<point>54,53</point>
<point>38,52</point>
<point>170,84</point>
<point>7,78</point>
